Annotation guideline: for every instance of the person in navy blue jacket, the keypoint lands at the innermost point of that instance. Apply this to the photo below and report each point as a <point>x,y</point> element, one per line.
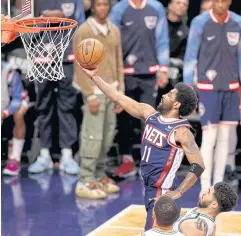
<point>214,52</point>
<point>66,96</point>
<point>145,45</point>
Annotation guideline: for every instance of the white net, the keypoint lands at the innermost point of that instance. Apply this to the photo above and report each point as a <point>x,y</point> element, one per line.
<point>45,50</point>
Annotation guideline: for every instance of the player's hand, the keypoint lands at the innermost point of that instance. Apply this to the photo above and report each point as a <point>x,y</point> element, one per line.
<point>89,73</point>
<point>162,79</point>
<point>173,194</point>
<point>118,109</point>
<point>93,105</point>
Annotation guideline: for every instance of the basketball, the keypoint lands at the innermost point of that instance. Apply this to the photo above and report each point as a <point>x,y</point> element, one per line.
<point>90,52</point>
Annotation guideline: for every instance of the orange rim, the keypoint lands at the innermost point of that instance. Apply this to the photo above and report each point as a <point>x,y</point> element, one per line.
<point>27,25</point>
<point>11,27</point>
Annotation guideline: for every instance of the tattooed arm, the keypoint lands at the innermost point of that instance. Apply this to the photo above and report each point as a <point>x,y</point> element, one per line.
<point>185,137</point>
<point>197,227</point>
<point>136,109</point>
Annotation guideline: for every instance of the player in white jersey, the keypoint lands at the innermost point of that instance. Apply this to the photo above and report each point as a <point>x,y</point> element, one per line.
<point>200,221</point>
<point>165,213</point>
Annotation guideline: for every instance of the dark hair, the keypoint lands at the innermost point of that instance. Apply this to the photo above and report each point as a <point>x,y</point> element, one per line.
<point>203,1</point>
<point>93,3</point>
<point>187,97</point>
<point>166,211</point>
<point>226,196</point>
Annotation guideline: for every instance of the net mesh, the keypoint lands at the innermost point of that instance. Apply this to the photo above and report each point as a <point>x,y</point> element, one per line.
<point>45,50</point>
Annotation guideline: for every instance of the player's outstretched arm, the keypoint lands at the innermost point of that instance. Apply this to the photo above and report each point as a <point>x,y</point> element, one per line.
<point>135,109</point>
<point>197,227</point>
<point>185,137</point>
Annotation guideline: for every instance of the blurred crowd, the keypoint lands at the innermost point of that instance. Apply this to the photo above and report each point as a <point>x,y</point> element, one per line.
<point>148,51</point>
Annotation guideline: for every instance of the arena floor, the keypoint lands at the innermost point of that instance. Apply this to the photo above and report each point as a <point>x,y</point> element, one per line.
<point>45,204</point>
<point>131,220</point>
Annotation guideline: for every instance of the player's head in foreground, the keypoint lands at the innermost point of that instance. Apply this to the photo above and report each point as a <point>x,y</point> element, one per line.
<point>219,198</point>
<point>180,101</point>
<point>220,7</point>
<point>165,212</point>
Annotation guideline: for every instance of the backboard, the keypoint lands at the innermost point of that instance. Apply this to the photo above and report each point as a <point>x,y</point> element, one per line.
<point>17,9</point>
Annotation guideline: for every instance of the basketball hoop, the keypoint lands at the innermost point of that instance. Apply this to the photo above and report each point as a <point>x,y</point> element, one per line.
<point>45,40</point>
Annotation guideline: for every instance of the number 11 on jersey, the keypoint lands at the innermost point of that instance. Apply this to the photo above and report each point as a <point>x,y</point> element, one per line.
<point>146,154</point>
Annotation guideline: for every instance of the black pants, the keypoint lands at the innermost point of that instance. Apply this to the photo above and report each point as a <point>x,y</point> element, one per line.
<point>66,99</point>
<point>142,89</point>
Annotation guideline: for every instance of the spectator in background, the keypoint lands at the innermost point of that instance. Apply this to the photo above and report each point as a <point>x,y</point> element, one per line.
<point>145,44</point>
<point>99,120</point>
<point>178,33</point>
<point>66,97</point>
<point>214,48</point>
<point>206,5</point>
<point>87,5</point>
<point>230,173</point>
<point>17,107</point>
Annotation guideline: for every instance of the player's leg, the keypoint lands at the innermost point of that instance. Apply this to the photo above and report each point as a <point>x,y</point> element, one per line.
<point>209,109</point>
<point>230,117</point>
<point>233,140</point>
<point>151,194</point>
<point>90,149</point>
<point>66,101</point>
<point>109,121</point>
<point>125,133</point>
<point>14,160</point>
<point>45,109</point>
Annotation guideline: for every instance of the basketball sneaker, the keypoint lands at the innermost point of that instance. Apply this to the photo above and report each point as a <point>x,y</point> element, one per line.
<point>40,165</point>
<point>109,185</point>
<point>89,190</point>
<point>69,166</point>
<point>127,168</point>
<point>12,168</point>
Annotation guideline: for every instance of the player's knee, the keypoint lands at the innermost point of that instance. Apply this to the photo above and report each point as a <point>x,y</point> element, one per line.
<point>209,135</point>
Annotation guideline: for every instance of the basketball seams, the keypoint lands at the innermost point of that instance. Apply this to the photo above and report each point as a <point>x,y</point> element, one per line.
<point>90,60</point>
<point>83,55</point>
<point>92,53</point>
<point>99,58</point>
<point>80,56</point>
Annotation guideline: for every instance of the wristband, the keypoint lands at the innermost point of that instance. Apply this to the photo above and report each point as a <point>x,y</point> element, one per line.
<point>196,169</point>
